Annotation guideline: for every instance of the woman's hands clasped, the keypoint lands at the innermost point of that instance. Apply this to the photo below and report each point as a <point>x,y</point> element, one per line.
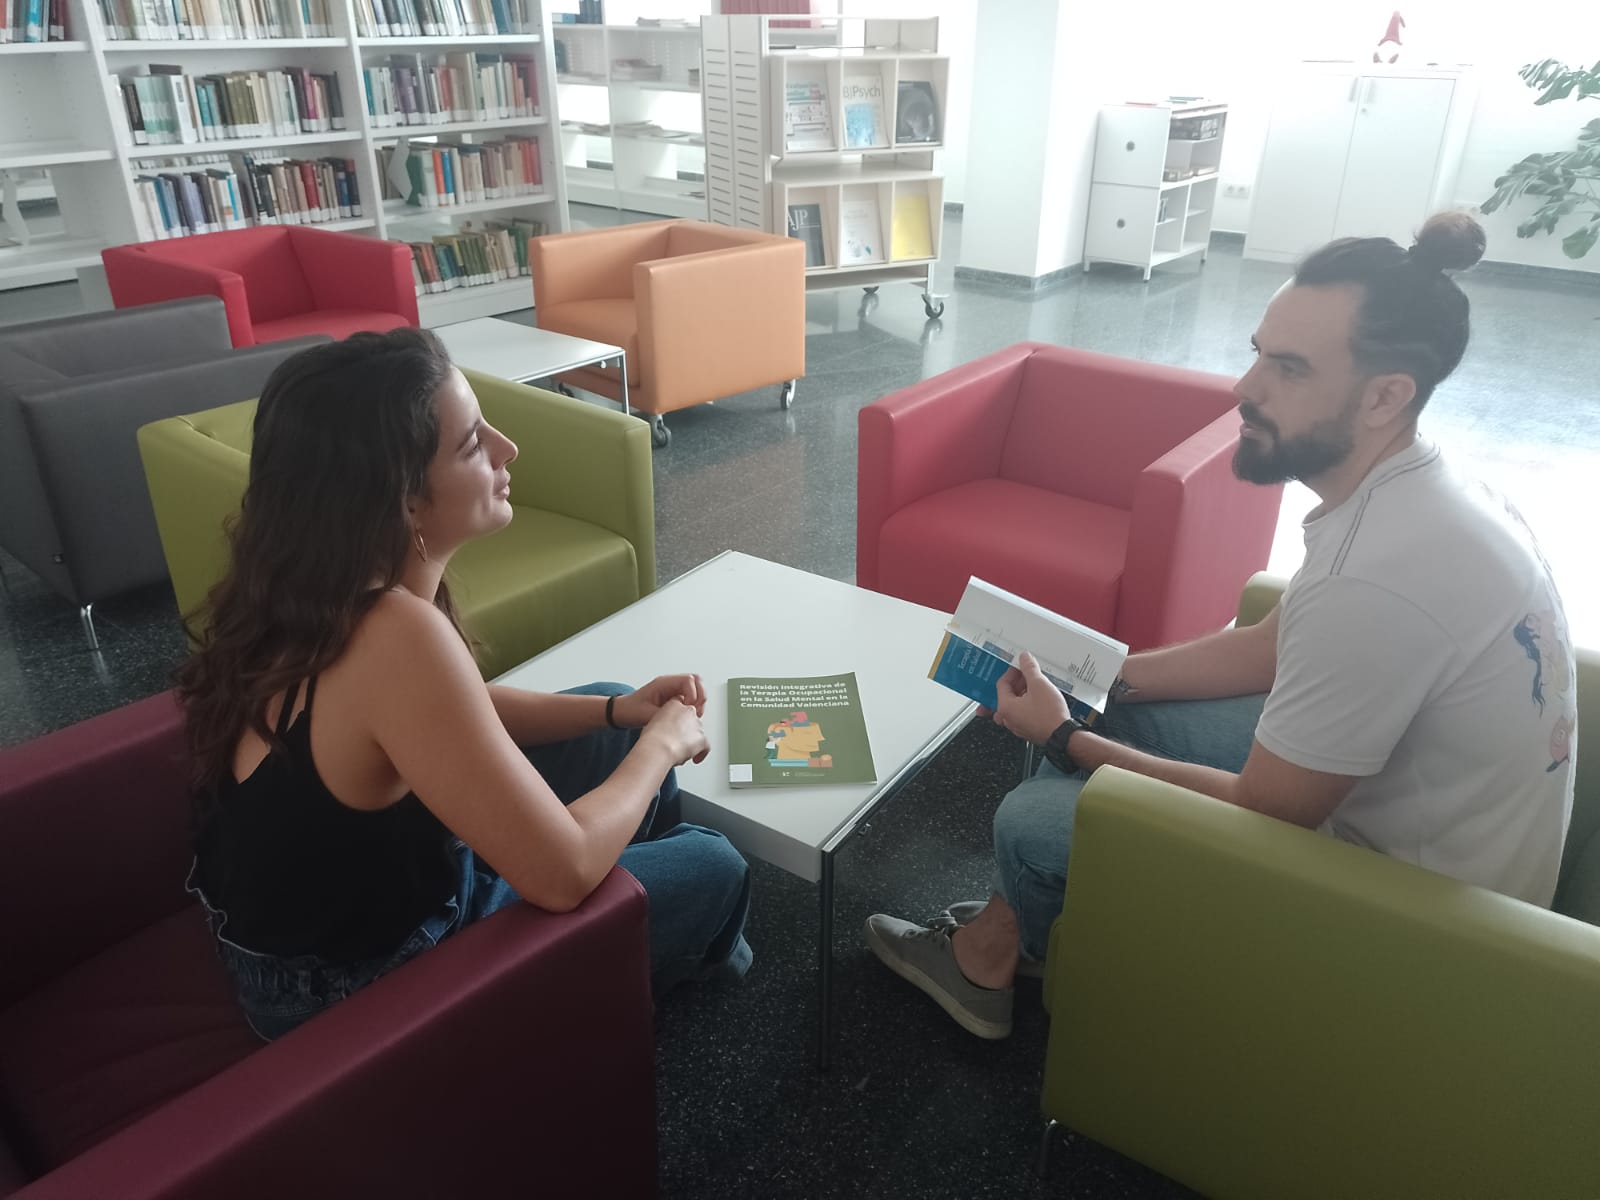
<point>669,708</point>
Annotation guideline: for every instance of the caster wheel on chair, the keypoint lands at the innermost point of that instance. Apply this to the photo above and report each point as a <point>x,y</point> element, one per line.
<point>566,391</point>
<point>786,396</point>
<point>660,435</point>
<point>934,309</point>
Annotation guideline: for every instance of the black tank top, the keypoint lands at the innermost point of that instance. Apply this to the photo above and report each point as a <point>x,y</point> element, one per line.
<point>297,872</point>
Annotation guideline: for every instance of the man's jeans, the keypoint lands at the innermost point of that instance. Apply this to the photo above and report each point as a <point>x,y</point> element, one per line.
<point>1033,825</point>
<point>697,884</point>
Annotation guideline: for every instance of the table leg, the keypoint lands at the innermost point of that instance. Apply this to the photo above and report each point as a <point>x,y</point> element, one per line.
<point>623,364</point>
<point>825,965</point>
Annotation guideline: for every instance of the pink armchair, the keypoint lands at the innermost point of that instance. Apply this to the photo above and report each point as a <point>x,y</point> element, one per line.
<point>518,1055</point>
<point>277,281</point>
<point>1099,487</point>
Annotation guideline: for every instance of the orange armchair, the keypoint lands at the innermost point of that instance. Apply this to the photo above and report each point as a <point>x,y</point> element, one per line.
<point>1099,487</point>
<point>702,311</point>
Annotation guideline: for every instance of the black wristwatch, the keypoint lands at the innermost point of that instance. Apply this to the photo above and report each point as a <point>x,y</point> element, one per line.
<point>1055,746</point>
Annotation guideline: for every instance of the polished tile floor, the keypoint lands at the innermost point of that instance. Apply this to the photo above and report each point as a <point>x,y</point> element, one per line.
<point>914,1107</point>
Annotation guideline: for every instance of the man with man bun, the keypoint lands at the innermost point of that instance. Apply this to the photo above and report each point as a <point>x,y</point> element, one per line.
<point>1411,693</point>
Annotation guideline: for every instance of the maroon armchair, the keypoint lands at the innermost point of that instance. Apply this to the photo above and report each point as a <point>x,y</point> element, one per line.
<point>277,281</point>
<point>498,1064</point>
<point>1099,487</point>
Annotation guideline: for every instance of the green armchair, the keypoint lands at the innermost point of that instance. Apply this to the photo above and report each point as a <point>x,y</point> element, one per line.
<point>580,547</point>
<point>1257,1010</point>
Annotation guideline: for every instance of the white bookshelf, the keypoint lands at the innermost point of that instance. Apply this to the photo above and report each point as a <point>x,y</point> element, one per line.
<point>60,110</point>
<point>856,178</point>
<point>606,115</point>
<point>1154,186</point>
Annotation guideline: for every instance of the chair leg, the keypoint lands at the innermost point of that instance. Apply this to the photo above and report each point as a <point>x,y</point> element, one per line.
<point>86,617</point>
<point>1042,1166</point>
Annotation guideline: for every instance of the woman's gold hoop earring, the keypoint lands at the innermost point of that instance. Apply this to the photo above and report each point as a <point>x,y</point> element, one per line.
<point>422,548</point>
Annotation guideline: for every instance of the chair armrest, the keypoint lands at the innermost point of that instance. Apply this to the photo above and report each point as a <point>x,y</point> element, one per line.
<point>931,436</point>
<point>483,1067</point>
<point>1260,596</point>
<point>108,800</point>
<point>85,436</point>
<point>593,264</point>
<point>195,483</point>
<point>1196,535</point>
<point>579,460</point>
<point>346,270</point>
<point>138,278</point>
<point>91,343</point>
<point>1222,980</point>
<point>720,322</point>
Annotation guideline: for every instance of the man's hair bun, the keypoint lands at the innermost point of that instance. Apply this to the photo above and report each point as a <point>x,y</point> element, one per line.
<point>1449,241</point>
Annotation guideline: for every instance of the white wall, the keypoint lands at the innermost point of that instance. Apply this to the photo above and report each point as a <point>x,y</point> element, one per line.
<point>1238,50</point>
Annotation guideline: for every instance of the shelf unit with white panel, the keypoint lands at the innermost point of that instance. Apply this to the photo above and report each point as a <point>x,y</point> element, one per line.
<point>869,177</point>
<point>633,143</point>
<point>1154,186</point>
<point>60,109</point>
<point>53,121</point>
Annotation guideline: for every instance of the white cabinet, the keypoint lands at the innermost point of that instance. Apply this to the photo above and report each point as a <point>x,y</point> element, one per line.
<point>1356,153</point>
<point>1155,183</point>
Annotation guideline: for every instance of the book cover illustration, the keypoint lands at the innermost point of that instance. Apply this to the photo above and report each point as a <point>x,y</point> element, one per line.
<point>992,627</point>
<point>864,123</point>
<point>797,731</point>
<point>863,240</point>
<point>807,123</point>
<point>910,236</point>
<point>916,114</point>
<point>805,223</point>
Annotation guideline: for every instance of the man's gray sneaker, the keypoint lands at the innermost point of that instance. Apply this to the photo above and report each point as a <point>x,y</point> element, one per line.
<point>965,912</point>
<point>923,958</point>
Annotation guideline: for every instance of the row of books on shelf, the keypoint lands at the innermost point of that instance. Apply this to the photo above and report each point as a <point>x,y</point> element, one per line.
<point>808,113</point>
<point>451,87</point>
<point>33,21</point>
<point>425,175</point>
<point>212,193</point>
<point>859,233</point>
<point>215,20</point>
<point>163,105</point>
<point>443,18</point>
<point>473,257</point>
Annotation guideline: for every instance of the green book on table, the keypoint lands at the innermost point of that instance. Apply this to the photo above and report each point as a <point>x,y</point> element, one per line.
<point>797,731</point>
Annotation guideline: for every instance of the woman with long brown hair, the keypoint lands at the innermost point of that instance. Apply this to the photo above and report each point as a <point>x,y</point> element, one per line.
<point>361,792</point>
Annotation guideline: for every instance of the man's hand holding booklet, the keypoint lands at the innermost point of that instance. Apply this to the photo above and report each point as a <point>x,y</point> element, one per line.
<point>991,629</point>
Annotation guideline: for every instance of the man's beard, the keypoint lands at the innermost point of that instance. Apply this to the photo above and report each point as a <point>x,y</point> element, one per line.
<point>1312,453</point>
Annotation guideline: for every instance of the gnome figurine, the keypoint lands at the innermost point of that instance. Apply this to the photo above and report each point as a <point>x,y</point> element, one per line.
<point>1388,50</point>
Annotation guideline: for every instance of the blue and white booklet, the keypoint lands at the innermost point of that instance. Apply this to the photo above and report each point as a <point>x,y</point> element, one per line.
<point>992,627</point>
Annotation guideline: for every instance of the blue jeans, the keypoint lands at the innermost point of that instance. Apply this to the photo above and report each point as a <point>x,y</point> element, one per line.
<point>697,885</point>
<point>1033,825</point>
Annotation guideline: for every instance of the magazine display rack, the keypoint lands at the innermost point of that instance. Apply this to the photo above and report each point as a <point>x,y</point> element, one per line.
<point>829,131</point>
<point>1155,183</point>
<point>66,109</point>
<point>630,95</point>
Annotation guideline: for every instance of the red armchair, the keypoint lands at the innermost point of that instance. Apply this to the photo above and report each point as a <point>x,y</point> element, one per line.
<point>1099,487</point>
<point>277,281</point>
<point>517,1055</point>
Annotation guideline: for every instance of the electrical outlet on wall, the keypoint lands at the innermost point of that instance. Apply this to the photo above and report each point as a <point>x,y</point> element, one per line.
<point>1236,191</point>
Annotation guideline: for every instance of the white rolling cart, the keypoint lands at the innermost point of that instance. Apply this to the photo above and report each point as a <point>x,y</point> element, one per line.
<point>830,130</point>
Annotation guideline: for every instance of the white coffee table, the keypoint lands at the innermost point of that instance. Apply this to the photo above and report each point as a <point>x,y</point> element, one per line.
<point>725,619</point>
<point>522,353</point>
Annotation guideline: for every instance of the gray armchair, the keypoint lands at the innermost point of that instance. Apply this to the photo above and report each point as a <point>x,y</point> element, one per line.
<point>73,392</point>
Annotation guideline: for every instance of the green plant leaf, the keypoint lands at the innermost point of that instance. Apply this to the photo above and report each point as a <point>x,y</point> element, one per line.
<point>1582,240</point>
